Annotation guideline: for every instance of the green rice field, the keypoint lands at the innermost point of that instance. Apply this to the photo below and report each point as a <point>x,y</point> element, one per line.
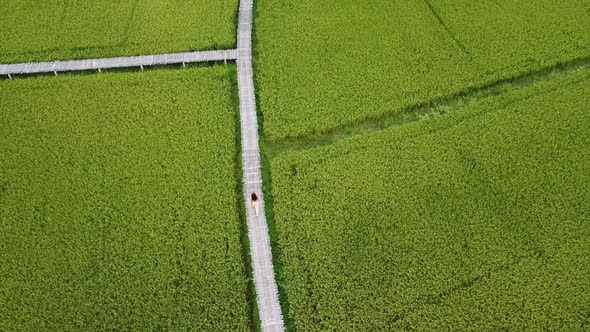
<point>118,203</point>
<point>475,221</point>
<point>506,38</point>
<point>356,60</point>
<point>425,166</point>
<point>60,30</point>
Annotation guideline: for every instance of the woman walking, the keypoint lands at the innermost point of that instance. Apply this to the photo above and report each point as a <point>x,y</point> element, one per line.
<point>255,203</point>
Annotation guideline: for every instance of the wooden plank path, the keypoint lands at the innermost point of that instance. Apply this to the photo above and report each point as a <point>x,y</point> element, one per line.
<point>118,62</point>
<point>267,296</point>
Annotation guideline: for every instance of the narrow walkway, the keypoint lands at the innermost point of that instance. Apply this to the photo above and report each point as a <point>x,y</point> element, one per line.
<point>267,296</point>
<point>118,62</point>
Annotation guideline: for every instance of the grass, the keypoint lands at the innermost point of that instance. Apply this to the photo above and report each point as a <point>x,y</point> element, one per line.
<point>471,221</point>
<point>316,73</point>
<point>62,30</point>
<point>425,110</point>
<point>97,240</point>
<point>506,38</point>
<point>118,203</point>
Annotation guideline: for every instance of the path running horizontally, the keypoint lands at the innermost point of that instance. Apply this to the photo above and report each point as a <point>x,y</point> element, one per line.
<point>267,296</point>
<point>118,62</point>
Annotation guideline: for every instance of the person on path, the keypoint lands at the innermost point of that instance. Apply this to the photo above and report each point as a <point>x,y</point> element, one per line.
<point>255,203</point>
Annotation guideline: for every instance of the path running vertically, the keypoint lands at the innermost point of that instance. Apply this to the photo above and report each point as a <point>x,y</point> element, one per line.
<point>267,296</point>
<point>117,62</point>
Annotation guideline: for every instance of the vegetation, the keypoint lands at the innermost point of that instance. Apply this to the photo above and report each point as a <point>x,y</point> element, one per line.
<point>472,221</point>
<point>120,198</point>
<point>507,38</point>
<point>48,30</point>
<point>118,203</point>
<point>359,60</point>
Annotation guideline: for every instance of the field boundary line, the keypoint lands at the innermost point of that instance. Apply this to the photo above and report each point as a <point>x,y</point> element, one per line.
<point>446,28</point>
<point>116,62</point>
<point>267,294</point>
<point>430,108</point>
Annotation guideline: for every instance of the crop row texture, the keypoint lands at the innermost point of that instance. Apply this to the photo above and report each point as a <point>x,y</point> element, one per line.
<point>322,65</point>
<point>33,30</point>
<point>506,38</point>
<point>118,203</point>
<point>477,220</point>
